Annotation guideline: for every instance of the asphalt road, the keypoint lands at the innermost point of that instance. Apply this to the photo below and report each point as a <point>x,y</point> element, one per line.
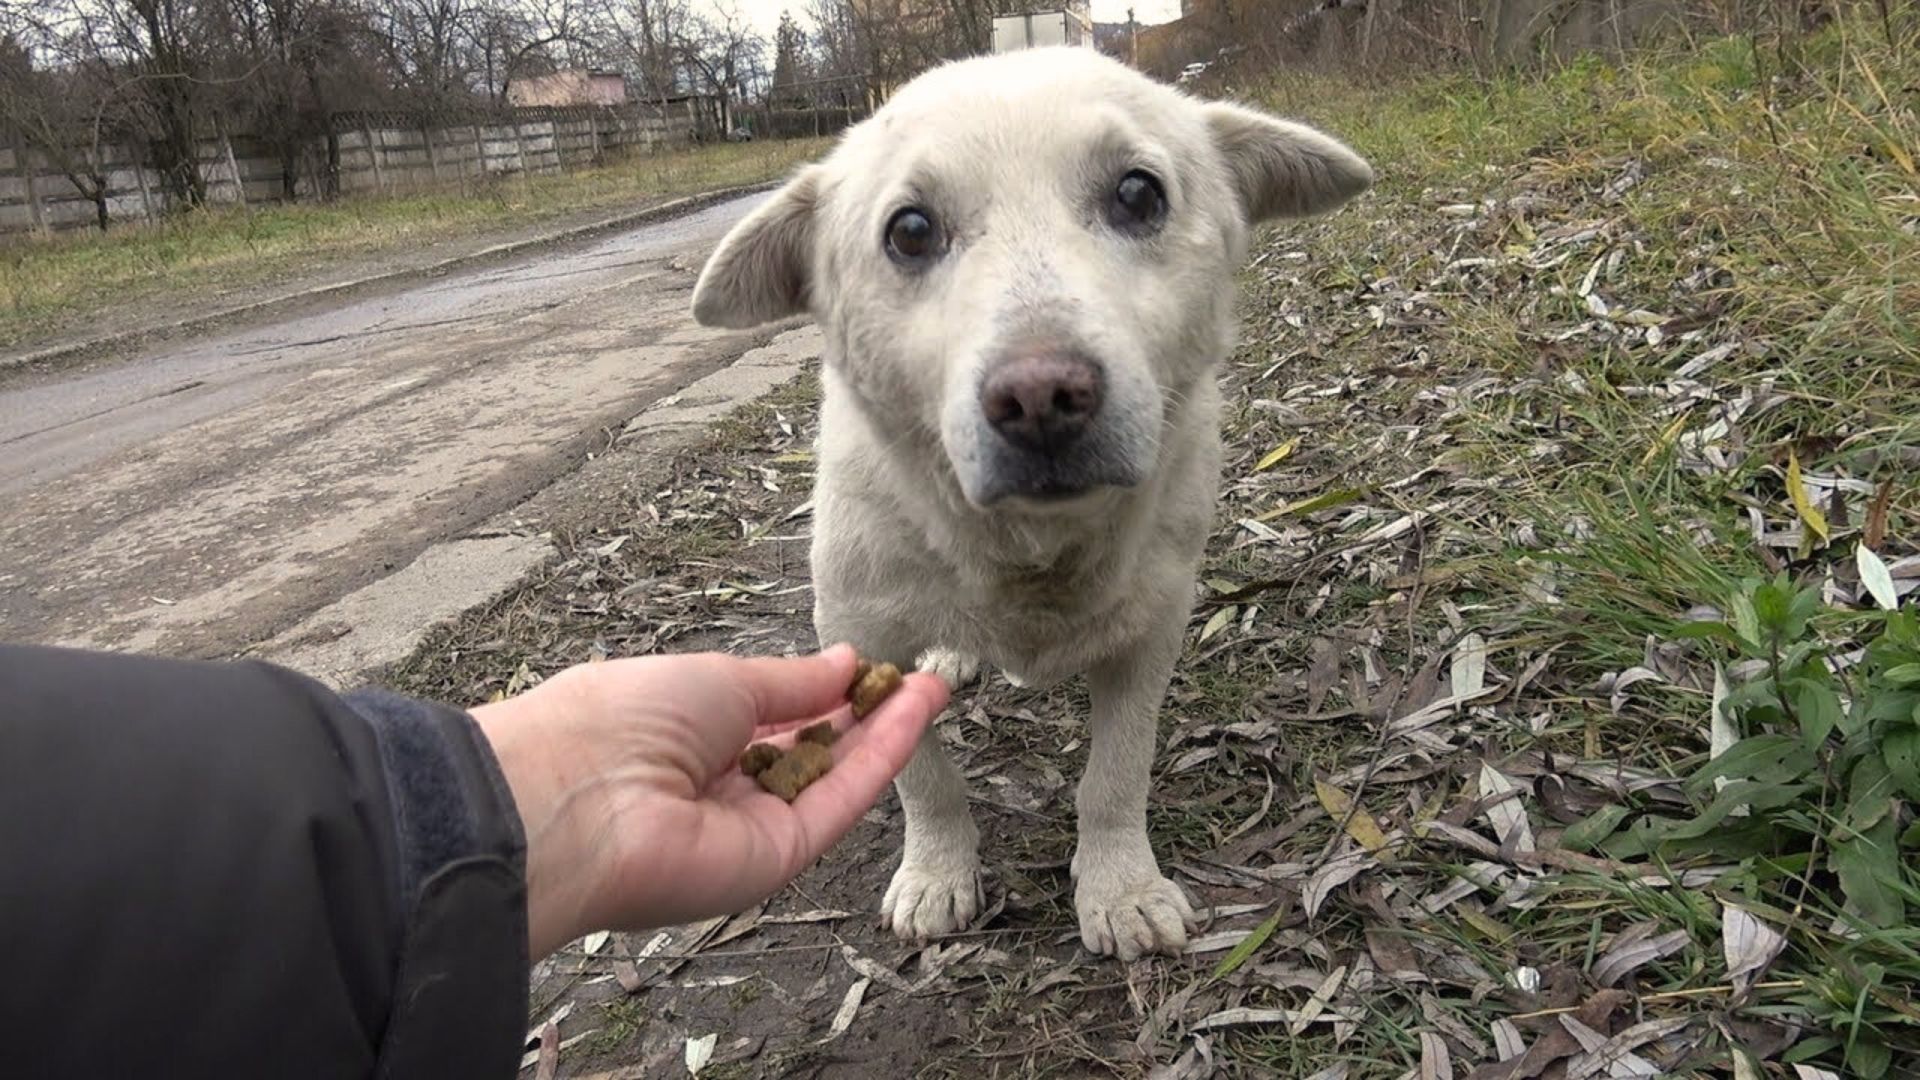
<point>200,497</point>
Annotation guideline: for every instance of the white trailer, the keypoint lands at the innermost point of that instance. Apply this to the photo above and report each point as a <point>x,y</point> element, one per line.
<point>1033,29</point>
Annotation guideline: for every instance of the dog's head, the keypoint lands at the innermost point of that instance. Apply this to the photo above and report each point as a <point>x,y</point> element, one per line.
<point>1029,257</point>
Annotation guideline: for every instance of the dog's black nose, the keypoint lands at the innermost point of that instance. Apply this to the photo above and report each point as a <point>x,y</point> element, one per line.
<point>1041,401</point>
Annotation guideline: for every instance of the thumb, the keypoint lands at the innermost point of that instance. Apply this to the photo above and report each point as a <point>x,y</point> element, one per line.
<point>798,687</point>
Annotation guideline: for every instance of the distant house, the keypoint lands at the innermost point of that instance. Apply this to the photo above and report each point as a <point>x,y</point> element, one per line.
<point>574,87</point>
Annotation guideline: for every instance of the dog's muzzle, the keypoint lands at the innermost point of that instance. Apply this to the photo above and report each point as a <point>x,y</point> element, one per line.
<point>1044,407</point>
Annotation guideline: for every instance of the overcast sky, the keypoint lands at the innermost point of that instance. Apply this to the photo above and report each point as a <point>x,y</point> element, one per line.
<point>765,14</point>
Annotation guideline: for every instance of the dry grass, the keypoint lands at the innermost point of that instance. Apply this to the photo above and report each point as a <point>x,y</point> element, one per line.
<point>51,282</point>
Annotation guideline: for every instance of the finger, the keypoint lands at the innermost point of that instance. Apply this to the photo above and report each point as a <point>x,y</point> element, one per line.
<point>797,688</point>
<point>780,731</point>
<point>876,752</point>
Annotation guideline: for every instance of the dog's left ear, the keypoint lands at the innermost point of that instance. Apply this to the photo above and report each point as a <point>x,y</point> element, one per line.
<point>1284,169</point>
<point>759,273</point>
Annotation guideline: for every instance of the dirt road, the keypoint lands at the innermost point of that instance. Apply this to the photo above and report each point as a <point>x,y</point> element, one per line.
<point>200,498</point>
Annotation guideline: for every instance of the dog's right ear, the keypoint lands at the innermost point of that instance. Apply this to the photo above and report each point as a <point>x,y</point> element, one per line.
<point>759,273</point>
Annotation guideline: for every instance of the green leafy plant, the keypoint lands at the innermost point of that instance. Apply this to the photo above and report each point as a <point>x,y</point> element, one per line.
<point>1812,790</point>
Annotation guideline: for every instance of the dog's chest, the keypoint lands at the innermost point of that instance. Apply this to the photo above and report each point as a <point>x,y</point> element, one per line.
<point>1043,626</point>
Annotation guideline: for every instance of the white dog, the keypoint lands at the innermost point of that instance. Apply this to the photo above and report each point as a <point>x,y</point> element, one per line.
<point>1023,266</point>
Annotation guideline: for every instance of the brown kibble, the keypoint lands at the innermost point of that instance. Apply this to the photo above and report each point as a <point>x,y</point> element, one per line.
<point>821,734</point>
<point>797,768</point>
<point>758,758</point>
<point>874,684</point>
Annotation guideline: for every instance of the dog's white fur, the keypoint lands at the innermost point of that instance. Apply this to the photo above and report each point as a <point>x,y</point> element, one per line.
<point>925,549</point>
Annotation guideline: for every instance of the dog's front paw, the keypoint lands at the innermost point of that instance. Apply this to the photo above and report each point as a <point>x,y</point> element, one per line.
<point>953,668</point>
<point>1129,909</point>
<point>933,897</point>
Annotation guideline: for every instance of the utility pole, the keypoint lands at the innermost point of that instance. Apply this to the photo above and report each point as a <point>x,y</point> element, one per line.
<point>1133,39</point>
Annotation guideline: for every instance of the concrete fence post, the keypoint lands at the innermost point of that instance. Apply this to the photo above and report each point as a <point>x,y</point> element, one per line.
<point>373,156</point>
<point>233,169</point>
<point>433,156</point>
<point>139,163</point>
<point>27,171</point>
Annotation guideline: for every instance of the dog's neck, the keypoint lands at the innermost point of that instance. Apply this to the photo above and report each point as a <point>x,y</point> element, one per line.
<point>1016,549</point>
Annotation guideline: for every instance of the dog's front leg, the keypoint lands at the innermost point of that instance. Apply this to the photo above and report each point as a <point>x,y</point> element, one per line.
<point>1126,906</point>
<point>936,890</point>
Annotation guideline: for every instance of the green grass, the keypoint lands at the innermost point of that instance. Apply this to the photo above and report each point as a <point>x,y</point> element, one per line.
<point>48,283</point>
<point>1776,210</point>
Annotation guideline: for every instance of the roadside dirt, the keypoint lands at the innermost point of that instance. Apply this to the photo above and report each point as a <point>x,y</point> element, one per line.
<point>195,499</point>
<point>151,320</point>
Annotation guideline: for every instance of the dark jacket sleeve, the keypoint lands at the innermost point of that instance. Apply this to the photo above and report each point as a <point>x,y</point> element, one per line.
<point>227,870</point>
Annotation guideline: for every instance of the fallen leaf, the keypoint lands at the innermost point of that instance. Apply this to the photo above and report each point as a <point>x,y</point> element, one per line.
<point>1623,958</point>
<point>1323,501</point>
<point>1322,674</point>
<point>595,941</point>
<point>813,916</point>
<point>1748,944</point>
<point>1469,666</point>
<point>1359,824</point>
<point>849,1008</point>
<point>1391,953</point>
<point>1220,621</point>
<point>1507,1043</point>
<point>1316,1004</point>
<point>699,1052</point>
<point>874,971</point>
<point>1191,1065</point>
<point>1875,577</point>
<point>1241,1017</point>
<point>1436,1062</point>
<point>1874,531</point>
<point>1249,945</point>
<point>1508,817</point>
<point>1810,514</point>
<point>1720,730</point>
<point>1335,873</point>
<point>553,1021</point>
<point>549,1063</point>
<point>1557,1042</point>
<point>628,975</point>
<point>1615,1058</point>
<point>1278,454</point>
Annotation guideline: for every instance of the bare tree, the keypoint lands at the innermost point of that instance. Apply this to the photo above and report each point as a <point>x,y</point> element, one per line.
<point>63,112</point>
<point>727,56</point>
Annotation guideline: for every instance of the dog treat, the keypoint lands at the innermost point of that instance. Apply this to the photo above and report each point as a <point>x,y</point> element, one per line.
<point>759,758</point>
<point>798,767</point>
<point>788,774</point>
<point>872,683</point>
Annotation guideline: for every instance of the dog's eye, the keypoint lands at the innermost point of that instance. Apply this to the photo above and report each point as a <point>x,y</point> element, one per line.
<point>1138,201</point>
<point>912,236</point>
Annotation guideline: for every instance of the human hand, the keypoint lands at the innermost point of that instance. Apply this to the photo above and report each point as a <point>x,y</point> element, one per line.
<point>626,776</point>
